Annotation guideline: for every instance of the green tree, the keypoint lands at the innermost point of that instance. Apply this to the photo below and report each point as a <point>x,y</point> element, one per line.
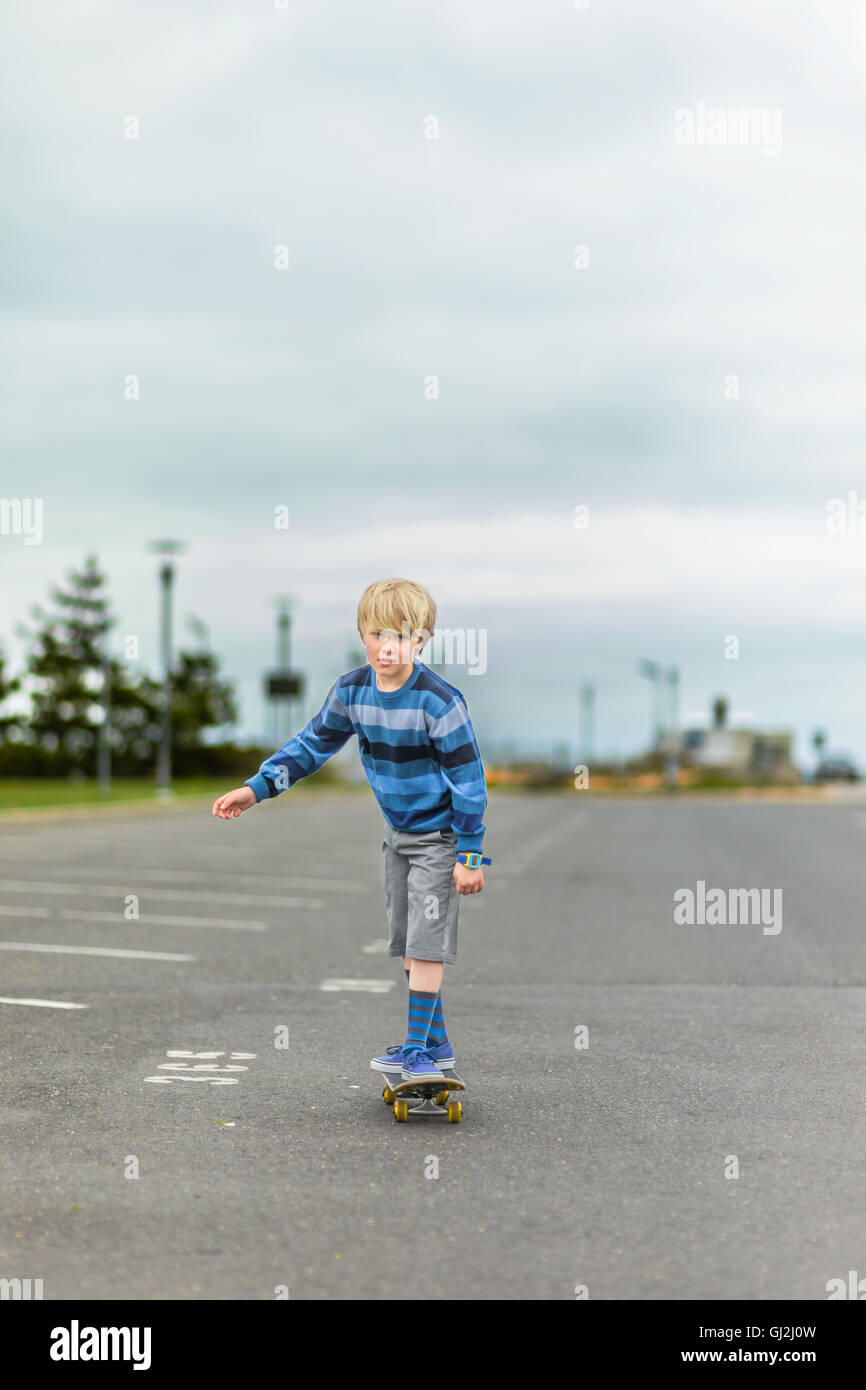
<point>64,666</point>
<point>199,701</point>
<point>134,721</point>
<point>8,687</point>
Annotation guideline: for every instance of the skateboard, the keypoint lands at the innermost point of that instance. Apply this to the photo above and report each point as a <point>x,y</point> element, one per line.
<point>424,1097</point>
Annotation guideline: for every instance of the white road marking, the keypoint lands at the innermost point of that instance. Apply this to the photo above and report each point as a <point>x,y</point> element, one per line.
<point>211,1080</point>
<point>149,920</point>
<point>43,1003</point>
<point>25,912</point>
<point>199,1066</point>
<point>236,1056</point>
<point>184,1071</point>
<point>376,948</point>
<point>343,885</point>
<point>193,875</point>
<point>371,986</point>
<point>50,885</point>
<point>90,951</point>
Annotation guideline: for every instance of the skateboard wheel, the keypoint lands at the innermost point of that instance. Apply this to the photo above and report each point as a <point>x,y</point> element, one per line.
<point>387,1095</point>
<point>441,1098</point>
<point>455,1112</point>
<point>401,1110</point>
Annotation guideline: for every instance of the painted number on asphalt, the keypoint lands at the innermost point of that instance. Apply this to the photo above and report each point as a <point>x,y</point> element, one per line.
<point>203,1068</point>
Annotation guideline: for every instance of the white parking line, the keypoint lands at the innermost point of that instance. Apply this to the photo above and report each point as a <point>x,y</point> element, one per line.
<point>145,871</point>
<point>371,986</point>
<point>257,850</point>
<point>51,885</point>
<point>148,920</point>
<point>43,1003</point>
<point>89,951</point>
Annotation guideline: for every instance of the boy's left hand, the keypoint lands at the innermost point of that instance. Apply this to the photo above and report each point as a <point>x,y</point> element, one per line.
<point>468,880</point>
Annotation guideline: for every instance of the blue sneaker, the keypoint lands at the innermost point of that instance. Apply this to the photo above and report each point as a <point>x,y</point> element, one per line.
<point>418,1065</point>
<point>443,1056</point>
<point>392,1061</point>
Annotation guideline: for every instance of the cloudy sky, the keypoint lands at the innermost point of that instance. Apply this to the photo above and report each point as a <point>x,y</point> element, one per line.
<point>693,376</point>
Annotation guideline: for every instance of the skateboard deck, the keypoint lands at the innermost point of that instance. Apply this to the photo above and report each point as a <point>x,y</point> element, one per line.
<point>424,1097</point>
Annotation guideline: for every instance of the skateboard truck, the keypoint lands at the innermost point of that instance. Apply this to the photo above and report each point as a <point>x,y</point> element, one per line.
<point>426,1097</point>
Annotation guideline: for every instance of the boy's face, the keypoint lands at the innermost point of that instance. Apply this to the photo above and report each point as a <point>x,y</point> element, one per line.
<point>387,650</point>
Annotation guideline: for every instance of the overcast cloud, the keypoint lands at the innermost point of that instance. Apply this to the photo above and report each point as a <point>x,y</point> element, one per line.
<point>453,257</point>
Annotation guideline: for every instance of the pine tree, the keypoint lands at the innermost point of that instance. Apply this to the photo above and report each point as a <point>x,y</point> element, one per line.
<point>65,670</point>
<point>8,722</point>
<point>64,667</point>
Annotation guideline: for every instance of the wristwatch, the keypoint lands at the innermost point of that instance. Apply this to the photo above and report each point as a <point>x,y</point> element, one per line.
<point>472,859</point>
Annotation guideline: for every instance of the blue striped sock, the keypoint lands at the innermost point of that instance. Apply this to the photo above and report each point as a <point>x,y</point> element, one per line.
<point>437,1035</point>
<point>421,1006</point>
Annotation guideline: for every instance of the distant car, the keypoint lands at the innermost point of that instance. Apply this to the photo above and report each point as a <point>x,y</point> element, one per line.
<point>836,770</point>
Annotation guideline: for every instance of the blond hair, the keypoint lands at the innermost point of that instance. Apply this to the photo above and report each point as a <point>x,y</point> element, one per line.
<point>391,604</point>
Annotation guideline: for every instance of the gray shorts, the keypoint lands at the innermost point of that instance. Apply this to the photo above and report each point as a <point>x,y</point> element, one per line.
<point>421,897</point>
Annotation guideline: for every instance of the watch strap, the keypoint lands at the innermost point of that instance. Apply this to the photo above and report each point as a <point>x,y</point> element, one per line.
<point>472,858</point>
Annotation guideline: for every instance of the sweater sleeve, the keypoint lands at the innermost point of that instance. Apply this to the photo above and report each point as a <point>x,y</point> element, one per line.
<point>307,751</point>
<point>457,753</point>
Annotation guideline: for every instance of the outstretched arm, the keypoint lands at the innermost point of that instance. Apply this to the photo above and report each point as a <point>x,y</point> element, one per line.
<point>306,751</point>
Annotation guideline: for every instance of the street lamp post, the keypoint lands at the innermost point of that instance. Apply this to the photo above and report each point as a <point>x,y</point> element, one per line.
<point>283,683</point>
<point>673,738</point>
<point>587,711</point>
<point>166,574</point>
<point>653,672</point>
<point>284,663</point>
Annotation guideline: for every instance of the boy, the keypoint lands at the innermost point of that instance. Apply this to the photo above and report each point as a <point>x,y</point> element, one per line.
<point>419,752</point>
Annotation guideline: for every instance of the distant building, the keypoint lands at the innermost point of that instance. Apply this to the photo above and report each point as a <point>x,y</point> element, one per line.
<point>745,754</point>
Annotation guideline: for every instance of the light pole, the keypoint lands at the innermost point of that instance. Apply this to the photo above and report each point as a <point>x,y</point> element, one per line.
<point>673,739</point>
<point>283,683</point>
<point>587,714</point>
<point>653,672</point>
<point>166,574</point>
<point>284,661</point>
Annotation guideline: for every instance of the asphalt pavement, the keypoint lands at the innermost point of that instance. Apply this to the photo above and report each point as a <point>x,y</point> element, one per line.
<point>655,1108</point>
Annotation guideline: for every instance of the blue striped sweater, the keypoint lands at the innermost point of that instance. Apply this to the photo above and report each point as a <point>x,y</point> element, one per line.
<point>417,748</point>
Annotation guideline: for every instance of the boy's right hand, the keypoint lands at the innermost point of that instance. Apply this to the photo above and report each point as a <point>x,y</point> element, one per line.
<point>231,805</point>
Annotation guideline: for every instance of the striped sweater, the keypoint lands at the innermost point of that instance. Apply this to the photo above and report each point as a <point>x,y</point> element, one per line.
<point>417,748</point>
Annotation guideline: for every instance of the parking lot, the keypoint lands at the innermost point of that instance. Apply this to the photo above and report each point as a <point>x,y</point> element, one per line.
<point>190,1006</point>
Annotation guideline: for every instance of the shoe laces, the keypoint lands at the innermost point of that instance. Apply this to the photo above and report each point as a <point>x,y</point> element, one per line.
<point>411,1056</point>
